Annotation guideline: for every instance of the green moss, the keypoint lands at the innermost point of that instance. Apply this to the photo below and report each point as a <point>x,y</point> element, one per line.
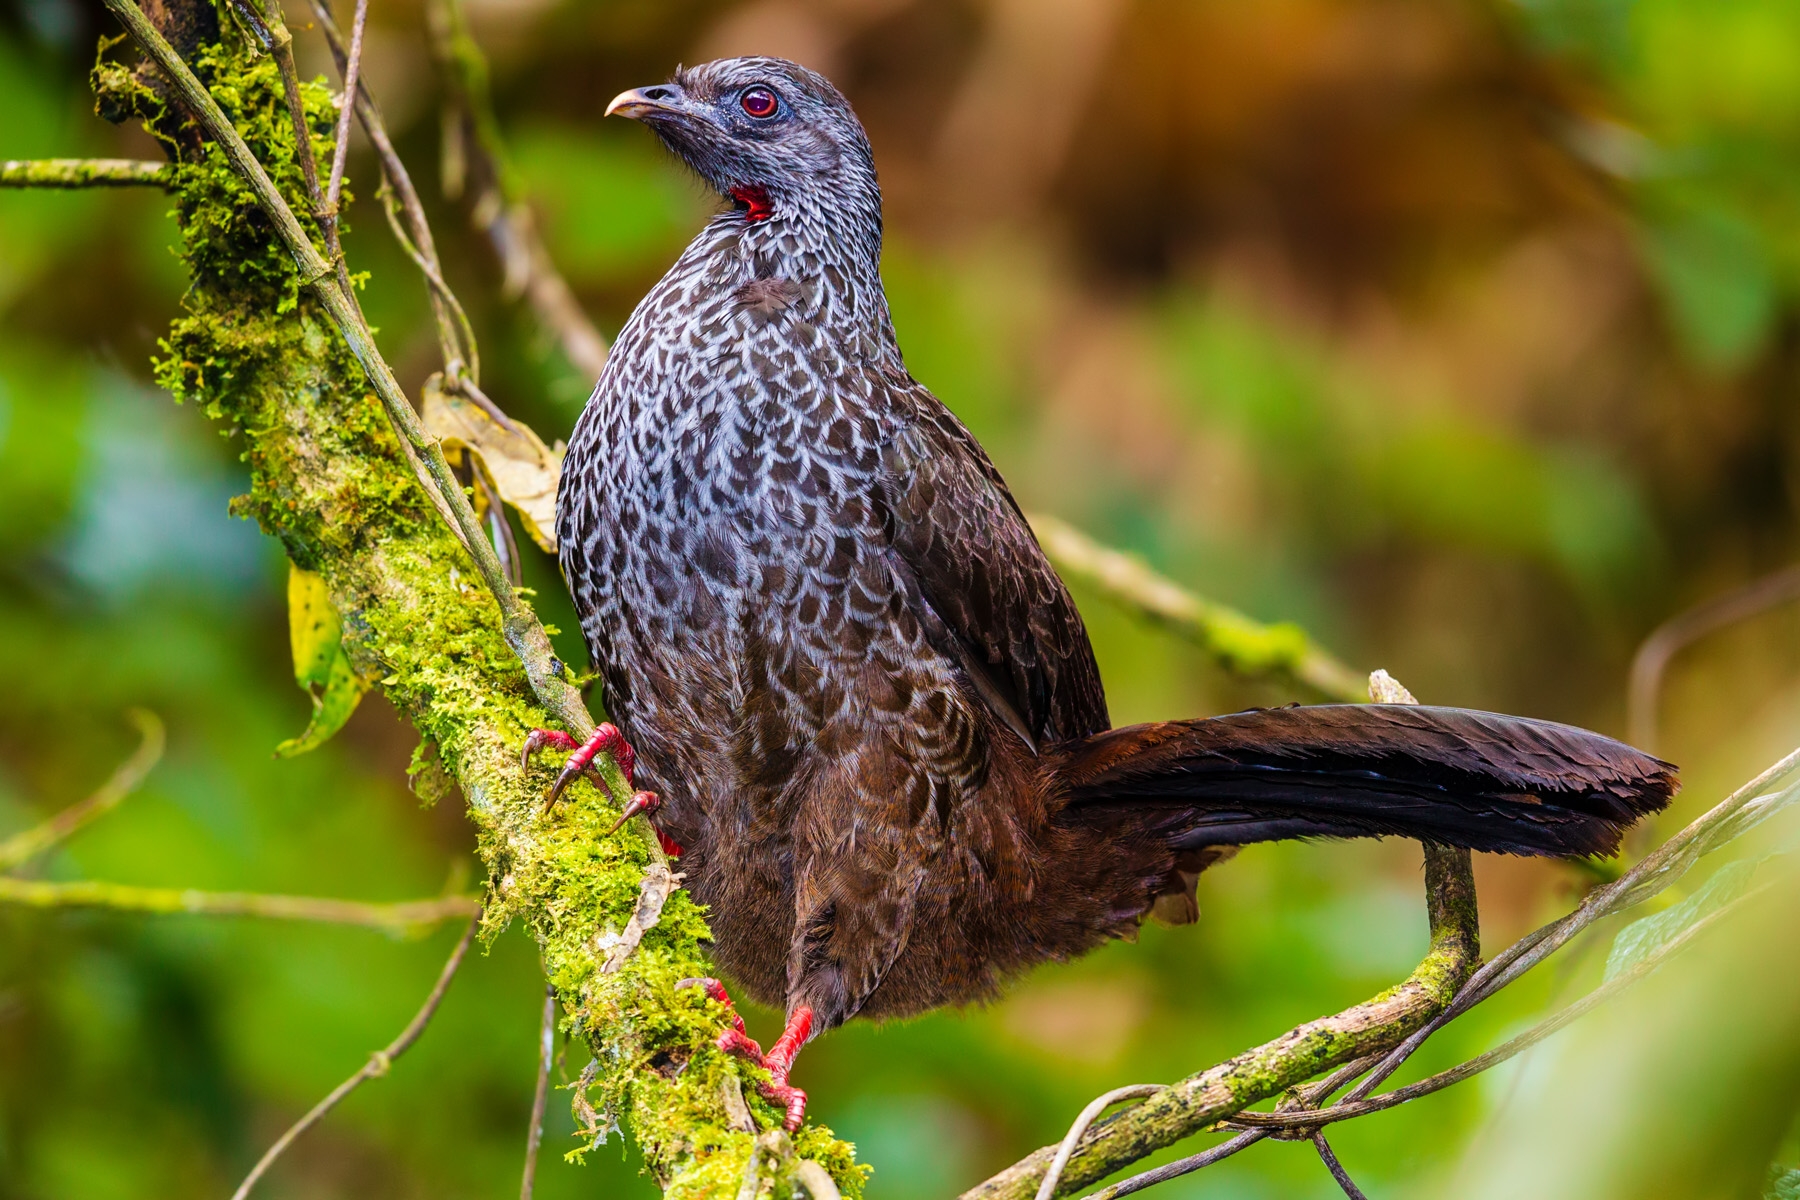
<point>252,350</point>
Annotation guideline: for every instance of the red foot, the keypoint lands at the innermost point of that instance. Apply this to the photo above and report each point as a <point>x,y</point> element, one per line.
<point>779,1061</point>
<point>606,737</point>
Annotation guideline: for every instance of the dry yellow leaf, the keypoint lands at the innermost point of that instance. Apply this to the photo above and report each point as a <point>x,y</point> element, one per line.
<point>522,470</point>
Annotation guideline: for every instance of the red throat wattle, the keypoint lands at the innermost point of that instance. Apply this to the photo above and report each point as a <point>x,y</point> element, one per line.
<point>755,199</point>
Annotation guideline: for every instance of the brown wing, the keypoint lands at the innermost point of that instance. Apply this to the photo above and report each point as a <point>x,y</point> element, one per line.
<point>982,579</point>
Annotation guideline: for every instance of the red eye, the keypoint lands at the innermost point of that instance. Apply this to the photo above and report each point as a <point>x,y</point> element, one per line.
<point>759,102</point>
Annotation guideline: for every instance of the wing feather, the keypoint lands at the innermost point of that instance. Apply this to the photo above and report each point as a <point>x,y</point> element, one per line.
<point>982,578</point>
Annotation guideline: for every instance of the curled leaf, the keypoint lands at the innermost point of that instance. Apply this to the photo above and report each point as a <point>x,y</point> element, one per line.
<point>522,470</point>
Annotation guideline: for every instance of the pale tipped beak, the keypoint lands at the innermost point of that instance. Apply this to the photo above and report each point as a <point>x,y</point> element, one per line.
<point>636,102</point>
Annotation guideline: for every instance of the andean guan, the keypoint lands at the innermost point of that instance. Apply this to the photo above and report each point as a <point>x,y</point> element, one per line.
<point>868,705</point>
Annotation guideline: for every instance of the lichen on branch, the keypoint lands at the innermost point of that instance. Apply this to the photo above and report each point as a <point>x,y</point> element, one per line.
<point>256,350</point>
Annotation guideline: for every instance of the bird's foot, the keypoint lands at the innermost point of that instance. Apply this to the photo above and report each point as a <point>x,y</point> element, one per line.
<point>779,1061</point>
<point>581,758</point>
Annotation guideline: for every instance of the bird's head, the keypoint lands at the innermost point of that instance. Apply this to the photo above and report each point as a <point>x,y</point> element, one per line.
<point>765,132</point>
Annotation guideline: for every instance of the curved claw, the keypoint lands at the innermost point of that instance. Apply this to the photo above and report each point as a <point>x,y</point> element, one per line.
<point>791,1098</point>
<point>571,770</point>
<point>640,802</point>
<point>606,738</point>
<point>537,739</point>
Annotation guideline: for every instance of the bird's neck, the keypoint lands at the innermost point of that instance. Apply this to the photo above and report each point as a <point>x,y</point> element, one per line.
<point>826,240</point>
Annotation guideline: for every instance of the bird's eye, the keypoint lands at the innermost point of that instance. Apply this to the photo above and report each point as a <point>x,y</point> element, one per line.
<point>759,102</point>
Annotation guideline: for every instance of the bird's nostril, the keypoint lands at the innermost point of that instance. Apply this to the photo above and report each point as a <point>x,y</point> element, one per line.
<point>658,93</point>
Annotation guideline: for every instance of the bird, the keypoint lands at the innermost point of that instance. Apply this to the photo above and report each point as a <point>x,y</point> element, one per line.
<point>850,688</point>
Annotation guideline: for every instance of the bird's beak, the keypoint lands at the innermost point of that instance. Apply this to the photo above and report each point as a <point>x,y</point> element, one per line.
<point>637,103</point>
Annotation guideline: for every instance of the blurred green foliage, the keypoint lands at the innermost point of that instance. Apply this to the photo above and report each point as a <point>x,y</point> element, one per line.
<point>1463,334</point>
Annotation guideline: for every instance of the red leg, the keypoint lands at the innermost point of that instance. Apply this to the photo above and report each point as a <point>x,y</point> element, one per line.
<point>779,1061</point>
<point>606,737</point>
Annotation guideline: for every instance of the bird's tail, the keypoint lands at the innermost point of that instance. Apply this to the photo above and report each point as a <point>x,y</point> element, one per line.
<point>1446,775</point>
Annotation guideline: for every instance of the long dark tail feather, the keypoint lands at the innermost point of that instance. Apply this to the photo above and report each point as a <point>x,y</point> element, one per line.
<point>1447,775</point>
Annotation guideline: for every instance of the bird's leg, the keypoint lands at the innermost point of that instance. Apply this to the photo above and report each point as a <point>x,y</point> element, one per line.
<point>581,758</point>
<point>779,1061</point>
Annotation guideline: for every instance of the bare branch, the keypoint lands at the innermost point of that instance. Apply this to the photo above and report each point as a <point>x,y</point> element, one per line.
<point>1672,636</point>
<point>378,1064</point>
<point>21,847</point>
<point>397,178</point>
<point>1243,645</point>
<point>1335,1167</point>
<point>534,1136</point>
<point>396,919</point>
<point>816,1180</point>
<point>84,173</point>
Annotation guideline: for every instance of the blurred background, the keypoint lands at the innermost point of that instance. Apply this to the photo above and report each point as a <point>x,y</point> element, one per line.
<point>1464,334</point>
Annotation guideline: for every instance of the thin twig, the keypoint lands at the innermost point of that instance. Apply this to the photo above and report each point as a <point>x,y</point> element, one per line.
<point>1243,645</point>
<point>1096,1106</point>
<point>395,175</point>
<point>1655,872</point>
<point>152,739</point>
<point>341,148</point>
<point>270,28</point>
<point>1180,1167</point>
<point>84,173</point>
<point>534,1137</point>
<point>1651,661</point>
<point>379,1062</point>
<point>501,209</point>
<point>400,918</point>
<point>1335,1167</point>
<point>501,529</point>
<point>456,335</point>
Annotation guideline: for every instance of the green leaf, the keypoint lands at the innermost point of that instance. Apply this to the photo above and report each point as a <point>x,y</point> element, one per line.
<point>1783,1185</point>
<point>1641,939</point>
<point>317,637</point>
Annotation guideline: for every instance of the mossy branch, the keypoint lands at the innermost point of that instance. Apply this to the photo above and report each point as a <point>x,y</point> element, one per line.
<point>1242,645</point>
<point>70,173</point>
<point>271,345</point>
